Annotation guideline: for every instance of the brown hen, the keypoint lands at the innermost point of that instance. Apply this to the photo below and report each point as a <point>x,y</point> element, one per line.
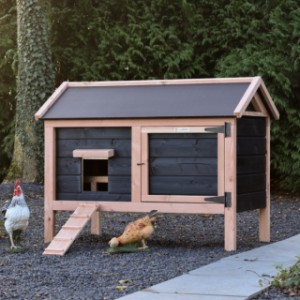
<point>136,232</point>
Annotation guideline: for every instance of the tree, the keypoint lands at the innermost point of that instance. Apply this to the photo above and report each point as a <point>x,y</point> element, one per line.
<point>8,58</point>
<point>34,84</point>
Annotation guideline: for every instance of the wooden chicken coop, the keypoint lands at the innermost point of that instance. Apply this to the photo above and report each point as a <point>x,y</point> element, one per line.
<point>199,146</point>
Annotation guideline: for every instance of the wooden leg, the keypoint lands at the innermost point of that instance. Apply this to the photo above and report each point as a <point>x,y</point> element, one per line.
<point>264,213</point>
<point>264,224</point>
<point>230,163</point>
<point>230,229</point>
<point>49,225</point>
<point>95,223</point>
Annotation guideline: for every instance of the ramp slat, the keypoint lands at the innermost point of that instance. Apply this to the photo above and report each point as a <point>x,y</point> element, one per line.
<point>72,228</point>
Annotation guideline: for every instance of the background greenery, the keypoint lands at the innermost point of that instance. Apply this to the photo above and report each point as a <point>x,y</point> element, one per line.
<point>137,39</point>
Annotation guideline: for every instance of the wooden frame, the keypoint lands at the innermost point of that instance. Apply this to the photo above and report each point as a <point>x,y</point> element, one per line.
<point>145,196</point>
<point>136,205</point>
<point>93,153</point>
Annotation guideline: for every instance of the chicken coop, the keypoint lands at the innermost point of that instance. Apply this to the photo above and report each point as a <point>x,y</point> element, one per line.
<point>194,146</point>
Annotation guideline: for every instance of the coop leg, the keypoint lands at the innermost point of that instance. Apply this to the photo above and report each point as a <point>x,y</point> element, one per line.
<point>230,229</point>
<point>49,225</point>
<point>264,213</point>
<point>95,223</point>
<point>264,224</point>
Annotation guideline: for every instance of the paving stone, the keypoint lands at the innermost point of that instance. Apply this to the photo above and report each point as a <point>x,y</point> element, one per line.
<point>238,276</point>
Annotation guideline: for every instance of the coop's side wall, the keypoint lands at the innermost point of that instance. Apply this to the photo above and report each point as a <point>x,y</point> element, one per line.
<point>251,163</point>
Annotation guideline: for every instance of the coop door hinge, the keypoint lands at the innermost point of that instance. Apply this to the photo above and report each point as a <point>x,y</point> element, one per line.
<point>226,199</point>
<point>226,129</point>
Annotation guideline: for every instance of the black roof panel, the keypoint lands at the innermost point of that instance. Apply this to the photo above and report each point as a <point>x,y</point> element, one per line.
<point>150,101</point>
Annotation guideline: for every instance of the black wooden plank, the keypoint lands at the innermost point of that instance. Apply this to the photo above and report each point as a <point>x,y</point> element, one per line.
<point>179,185</point>
<point>68,184</point>
<point>251,127</point>
<point>251,183</point>
<point>251,164</point>
<point>183,148</point>
<point>251,201</point>
<point>119,166</point>
<point>94,133</point>
<point>251,146</point>
<point>68,166</point>
<point>122,147</point>
<point>93,196</point>
<point>119,184</point>
<point>250,107</point>
<point>183,166</point>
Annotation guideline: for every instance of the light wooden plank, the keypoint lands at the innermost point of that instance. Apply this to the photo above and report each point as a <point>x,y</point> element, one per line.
<point>66,234</point>
<point>109,206</point>
<point>138,122</point>
<point>70,230</point>
<point>230,229</point>
<point>136,167</point>
<point>96,179</point>
<point>264,214</point>
<point>247,97</point>
<point>176,129</point>
<point>269,101</point>
<point>93,153</point>
<point>161,82</point>
<point>96,223</point>
<point>145,166</point>
<point>50,180</point>
<point>177,198</point>
<point>49,103</point>
<point>254,114</point>
<point>258,104</point>
<point>221,164</point>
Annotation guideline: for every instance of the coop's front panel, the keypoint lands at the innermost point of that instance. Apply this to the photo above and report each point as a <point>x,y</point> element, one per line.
<point>94,163</point>
<point>183,164</point>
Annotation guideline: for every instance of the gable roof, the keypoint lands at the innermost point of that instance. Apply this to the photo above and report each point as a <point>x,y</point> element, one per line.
<point>223,97</point>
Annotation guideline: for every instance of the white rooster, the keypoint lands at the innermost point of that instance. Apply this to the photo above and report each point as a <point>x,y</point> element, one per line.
<point>16,213</point>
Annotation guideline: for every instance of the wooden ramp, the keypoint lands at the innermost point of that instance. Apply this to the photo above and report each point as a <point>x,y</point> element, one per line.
<point>70,231</point>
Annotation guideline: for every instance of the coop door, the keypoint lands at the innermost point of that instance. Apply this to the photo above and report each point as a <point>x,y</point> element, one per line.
<point>182,164</point>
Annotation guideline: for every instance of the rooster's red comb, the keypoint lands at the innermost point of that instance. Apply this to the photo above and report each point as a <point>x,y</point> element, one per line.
<point>17,183</point>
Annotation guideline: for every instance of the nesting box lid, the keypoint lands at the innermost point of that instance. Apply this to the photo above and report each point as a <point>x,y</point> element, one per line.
<point>185,98</point>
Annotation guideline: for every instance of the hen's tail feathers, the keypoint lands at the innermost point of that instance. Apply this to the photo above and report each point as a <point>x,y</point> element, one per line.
<point>152,213</point>
<point>5,207</point>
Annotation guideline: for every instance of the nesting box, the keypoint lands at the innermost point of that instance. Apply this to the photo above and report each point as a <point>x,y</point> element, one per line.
<point>198,146</point>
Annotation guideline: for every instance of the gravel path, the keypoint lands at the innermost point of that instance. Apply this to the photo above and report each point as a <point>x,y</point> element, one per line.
<point>181,243</point>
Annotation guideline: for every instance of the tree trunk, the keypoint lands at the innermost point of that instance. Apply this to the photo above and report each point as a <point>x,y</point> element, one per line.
<point>35,83</point>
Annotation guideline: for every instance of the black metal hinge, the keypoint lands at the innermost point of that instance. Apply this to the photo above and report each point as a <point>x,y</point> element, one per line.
<point>226,199</point>
<point>226,129</point>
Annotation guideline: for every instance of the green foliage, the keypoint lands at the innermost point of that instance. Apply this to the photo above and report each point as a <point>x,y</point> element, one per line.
<point>288,279</point>
<point>135,39</point>
<point>273,53</point>
<point>8,59</point>
<point>124,40</point>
